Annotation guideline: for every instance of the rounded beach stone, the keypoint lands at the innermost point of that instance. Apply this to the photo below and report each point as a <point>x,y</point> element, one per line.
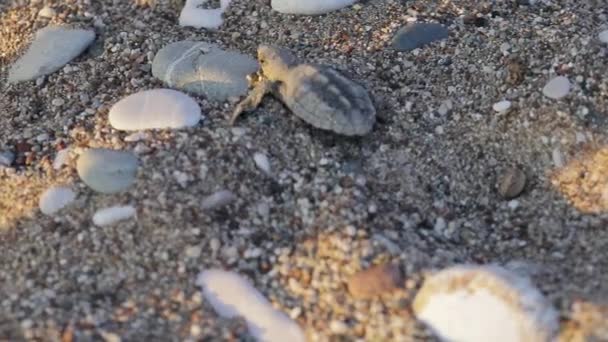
<point>416,35</point>
<point>375,281</point>
<point>557,87</point>
<point>52,48</point>
<point>204,68</point>
<point>309,7</point>
<point>155,109</point>
<point>107,171</point>
<point>512,183</point>
<point>210,18</point>
<point>484,303</point>
<point>55,198</point>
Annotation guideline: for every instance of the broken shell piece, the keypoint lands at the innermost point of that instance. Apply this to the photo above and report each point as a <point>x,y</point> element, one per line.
<point>485,303</point>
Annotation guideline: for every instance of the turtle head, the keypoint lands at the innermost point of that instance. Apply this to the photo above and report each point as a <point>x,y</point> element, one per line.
<point>275,61</point>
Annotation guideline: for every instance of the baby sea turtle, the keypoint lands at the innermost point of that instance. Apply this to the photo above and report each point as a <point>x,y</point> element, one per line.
<point>317,94</point>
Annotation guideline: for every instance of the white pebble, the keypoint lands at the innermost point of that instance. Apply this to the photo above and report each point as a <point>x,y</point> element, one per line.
<point>137,136</point>
<point>233,296</point>
<point>155,109</point>
<point>603,36</point>
<point>485,303</point>
<point>309,7</point>
<point>47,12</point>
<point>502,106</point>
<point>55,199</point>
<point>262,162</point>
<point>61,158</point>
<point>218,199</point>
<point>111,215</point>
<point>557,87</point>
<point>558,157</point>
<point>194,16</point>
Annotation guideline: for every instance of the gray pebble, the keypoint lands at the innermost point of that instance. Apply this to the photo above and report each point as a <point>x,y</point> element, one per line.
<point>204,68</point>
<point>107,171</point>
<point>416,35</point>
<point>52,48</point>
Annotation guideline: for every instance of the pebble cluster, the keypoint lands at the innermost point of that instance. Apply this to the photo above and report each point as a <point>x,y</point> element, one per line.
<point>133,211</point>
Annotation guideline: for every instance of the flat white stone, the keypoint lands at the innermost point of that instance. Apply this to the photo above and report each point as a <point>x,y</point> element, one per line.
<point>155,109</point>
<point>603,36</point>
<point>47,12</point>
<point>502,106</point>
<point>485,303</point>
<point>111,215</point>
<point>193,15</point>
<point>233,296</point>
<point>52,48</point>
<point>55,198</point>
<point>309,7</point>
<point>557,87</point>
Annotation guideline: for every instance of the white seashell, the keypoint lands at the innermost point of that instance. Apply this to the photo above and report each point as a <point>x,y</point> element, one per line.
<point>111,215</point>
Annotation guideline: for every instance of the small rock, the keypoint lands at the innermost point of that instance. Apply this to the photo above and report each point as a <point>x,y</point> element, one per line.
<point>512,183</point>
<point>485,303</point>
<point>61,158</point>
<point>502,106</point>
<point>516,71</point>
<point>474,20</point>
<point>52,48</point>
<point>219,199</point>
<point>107,171</point>
<point>231,295</point>
<point>155,109</point>
<point>416,35</point>
<point>603,36</point>
<point>558,158</point>
<point>204,69</point>
<point>309,7</point>
<point>374,281</point>
<point>6,158</point>
<point>58,102</point>
<point>557,88</point>
<point>111,215</point>
<point>47,12</point>
<point>55,199</point>
<point>262,162</point>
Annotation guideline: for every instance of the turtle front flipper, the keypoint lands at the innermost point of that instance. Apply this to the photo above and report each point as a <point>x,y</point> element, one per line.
<point>261,87</point>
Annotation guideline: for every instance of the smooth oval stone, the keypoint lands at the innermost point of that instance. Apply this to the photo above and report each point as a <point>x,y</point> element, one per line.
<point>52,48</point>
<point>155,109</point>
<point>204,68</point>
<point>55,198</point>
<point>485,303</point>
<point>309,7</point>
<point>416,35</point>
<point>557,88</point>
<point>107,171</point>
